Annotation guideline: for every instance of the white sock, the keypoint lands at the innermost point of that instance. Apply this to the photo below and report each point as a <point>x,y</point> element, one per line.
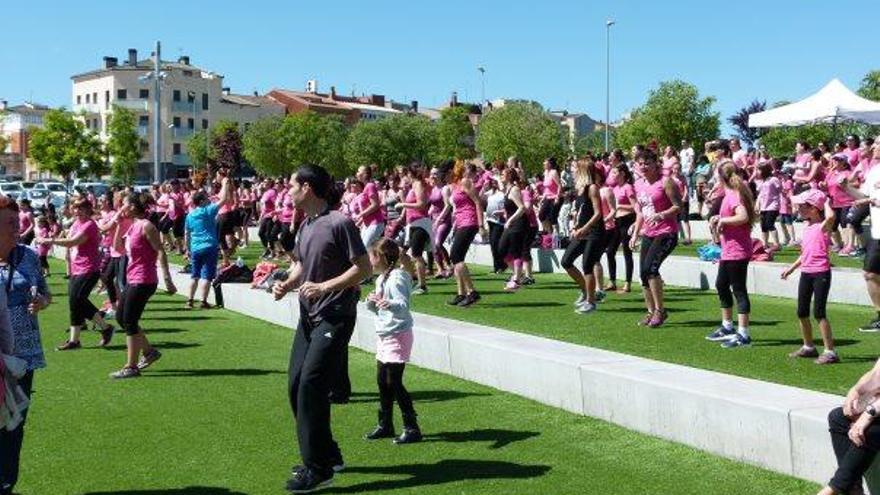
<point>727,324</point>
<point>744,331</point>
<point>826,351</point>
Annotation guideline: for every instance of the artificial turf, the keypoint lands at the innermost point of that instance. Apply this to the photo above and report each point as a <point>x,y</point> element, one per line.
<point>211,418</point>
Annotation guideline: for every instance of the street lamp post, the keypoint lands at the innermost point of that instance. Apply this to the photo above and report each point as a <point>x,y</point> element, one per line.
<point>608,25</point>
<point>157,114</point>
<point>482,85</point>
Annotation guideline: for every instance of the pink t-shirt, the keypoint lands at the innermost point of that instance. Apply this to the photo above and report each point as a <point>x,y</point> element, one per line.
<point>85,259</point>
<point>606,206</point>
<point>736,240</point>
<point>853,155</point>
<point>839,197</point>
<point>413,214</point>
<point>122,225</point>
<point>785,198</point>
<point>624,194</point>
<point>769,195</point>
<point>668,162</point>
<point>529,201</point>
<point>652,198</point>
<point>43,247</point>
<point>465,209</point>
<point>814,249</point>
<point>25,220</point>
<point>268,202</point>
<point>286,215</point>
<point>371,194</point>
<point>141,255</point>
<point>104,219</point>
<point>551,187</point>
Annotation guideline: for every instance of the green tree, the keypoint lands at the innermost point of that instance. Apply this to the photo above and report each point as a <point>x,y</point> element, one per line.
<point>226,147</point>
<point>264,148</point>
<point>63,146</point>
<point>197,149</point>
<point>524,130</point>
<point>308,137</point>
<point>392,141</point>
<point>123,145</point>
<point>674,111</point>
<point>455,134</point>
<point>870,87</point>
<point>592,142</point>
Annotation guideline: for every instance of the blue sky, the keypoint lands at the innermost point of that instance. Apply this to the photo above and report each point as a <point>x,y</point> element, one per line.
<point>552,51</point>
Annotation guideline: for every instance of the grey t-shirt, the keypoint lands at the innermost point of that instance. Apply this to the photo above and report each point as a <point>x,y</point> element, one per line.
<point>325,248</point>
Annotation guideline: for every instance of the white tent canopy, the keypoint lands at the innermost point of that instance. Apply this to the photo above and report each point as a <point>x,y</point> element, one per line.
<point>833,103</point>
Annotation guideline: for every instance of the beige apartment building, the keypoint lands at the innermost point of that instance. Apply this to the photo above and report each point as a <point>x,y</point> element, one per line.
<point>192,99</point>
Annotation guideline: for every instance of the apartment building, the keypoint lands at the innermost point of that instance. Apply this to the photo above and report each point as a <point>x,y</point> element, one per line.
<point>15,123</point>
<point>351,108</point>
<point>191,99</point>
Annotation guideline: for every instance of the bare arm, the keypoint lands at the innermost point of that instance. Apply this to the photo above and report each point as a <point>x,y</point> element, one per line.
<point>516,197</point>
<point>468,187</point>
<point>152,235</point>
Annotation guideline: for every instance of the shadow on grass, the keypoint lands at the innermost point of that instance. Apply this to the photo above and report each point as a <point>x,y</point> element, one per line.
<point>180,318</point>
<point>160,345</point>
<point>165,373</point>
<point>190,490</point>
<point>445,471</point>
<point>165,330</point>
<point>520,304</point>
<point>499,438</point>
<point>419,396</point>
<point>761,342</point>
<point>710,325</point>
<point>641,309</point>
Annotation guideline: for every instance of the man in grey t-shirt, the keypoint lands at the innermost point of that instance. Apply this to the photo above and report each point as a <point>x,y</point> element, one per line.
<point>330,260</point>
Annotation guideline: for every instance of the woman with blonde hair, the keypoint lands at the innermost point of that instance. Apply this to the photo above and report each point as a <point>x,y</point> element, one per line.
<point>734,226</point>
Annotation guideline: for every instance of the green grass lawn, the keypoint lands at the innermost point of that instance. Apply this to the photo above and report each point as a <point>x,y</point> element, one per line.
<point>786,255</point>
<point>212,418</point>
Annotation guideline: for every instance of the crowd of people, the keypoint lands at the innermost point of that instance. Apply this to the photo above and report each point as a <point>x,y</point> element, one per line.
<point>414,223</point>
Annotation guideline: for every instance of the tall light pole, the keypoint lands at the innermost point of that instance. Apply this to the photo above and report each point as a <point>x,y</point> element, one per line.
<point>608,25</point>
<point>482,85</point>
<point>157,114</point>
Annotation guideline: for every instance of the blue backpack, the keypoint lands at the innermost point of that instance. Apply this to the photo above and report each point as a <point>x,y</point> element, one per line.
<point>709,252</point>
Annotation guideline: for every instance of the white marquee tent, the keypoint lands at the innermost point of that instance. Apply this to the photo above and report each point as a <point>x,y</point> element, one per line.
<point>831,104</point>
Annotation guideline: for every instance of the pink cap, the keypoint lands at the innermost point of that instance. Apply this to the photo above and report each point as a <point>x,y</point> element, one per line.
<point>812,197</point>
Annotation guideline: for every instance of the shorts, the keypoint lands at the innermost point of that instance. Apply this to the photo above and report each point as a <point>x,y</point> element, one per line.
<point>590,248</point>
<point>461,242</point>
<point>372,233</point>
<point>685,214</point>
<point>226,224</point>
<point>786,219</point>
<point>286,237</point>
<point>768,220</point>
<point>179,226</point>
<point>841,217</point>
<point>165,225</point>
<point>549,211</point>
<point>872,257</point>
<point>418,241</point>
<point>204,264</point>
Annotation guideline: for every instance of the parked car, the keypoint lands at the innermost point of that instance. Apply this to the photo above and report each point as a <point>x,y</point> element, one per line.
<point>53,187</point>
<point>27,184</point>
<point>98,188</point>
<point>39,199</point>
<point>11,189</point>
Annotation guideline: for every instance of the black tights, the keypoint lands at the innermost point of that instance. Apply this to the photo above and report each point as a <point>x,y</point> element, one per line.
<point>389,377</point>
<point>731,282</point>
<point>620,238</point>
<point>852,461</point>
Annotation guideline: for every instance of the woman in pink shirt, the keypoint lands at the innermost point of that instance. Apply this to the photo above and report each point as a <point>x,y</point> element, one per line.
<point>551,200</point>
<point>657,208</point>
<point>113,271</point>
<point>621,182</point>
<point>467,221</point>
<point>26,222</point>
<point>841,202</point>
<point>815,282</point>
<point>44,231</point>
<point>734,225</point>
<point>418,222</point>
<point>528,197</point>
<point>268,202</point>
<point>670,158</point>
<point>371,214</point>
<point>441,213</point>
<point>83,239</point>
<point>684,219</point>
<point>786,215</point>
<point>143,248</point>
<point>769,200</point>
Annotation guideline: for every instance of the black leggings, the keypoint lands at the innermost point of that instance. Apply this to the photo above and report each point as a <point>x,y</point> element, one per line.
<point>78,289</point>
<point>461,242</point>
<point>389,377</point>
<point>815,286</point>
<point>111,276</point>
<point>732,274</point>
<point>654,251</point>
<point>620,237</point>
<point>131,307</point>
<point>266,232</point>
<point>495,231</point>
<point>852,461</point>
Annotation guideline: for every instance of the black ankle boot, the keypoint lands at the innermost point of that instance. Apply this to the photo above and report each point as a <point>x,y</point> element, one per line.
<point>411,432</point>
<point>385,427</point>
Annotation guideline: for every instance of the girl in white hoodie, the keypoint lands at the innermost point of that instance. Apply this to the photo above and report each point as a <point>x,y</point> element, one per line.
<point>390,302</point>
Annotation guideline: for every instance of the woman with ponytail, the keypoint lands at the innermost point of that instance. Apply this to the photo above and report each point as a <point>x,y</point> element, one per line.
<point>733,225</point>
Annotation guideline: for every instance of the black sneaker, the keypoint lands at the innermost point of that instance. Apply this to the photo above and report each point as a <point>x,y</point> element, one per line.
<point>338,467</point>
<point>307,481</point>
<point>469,299</point>
<point>872,327</point>
<point>455,301</point>
<point>527,281</point>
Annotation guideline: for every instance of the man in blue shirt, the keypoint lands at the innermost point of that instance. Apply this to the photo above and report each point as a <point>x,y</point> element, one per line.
<point>202,243</point>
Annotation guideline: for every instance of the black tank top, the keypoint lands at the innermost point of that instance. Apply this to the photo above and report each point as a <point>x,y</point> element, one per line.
<point>510,208</point>
<point>585,211</point>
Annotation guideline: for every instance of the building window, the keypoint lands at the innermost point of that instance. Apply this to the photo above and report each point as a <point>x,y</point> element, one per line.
<point>204,101</point>
<point>188,73</point>
<point>88,124</point>
<point>191,123</point>
<point>88,96</point>
<point>204,123</point>
<point>97,125</point>
<point>247,125</point>
<point>95,98</point>
<point>176,122</point>
<point>190,96</point>
<point>144,120</point>
<point>121,94</point>
<point>143,94</point>
<point>106,99</point>
<point>176,94</point>
<point>79,99</point>
<point>176,148</point>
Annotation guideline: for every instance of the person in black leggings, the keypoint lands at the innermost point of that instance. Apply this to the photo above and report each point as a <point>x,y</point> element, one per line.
<point>588,235</point>
<point>516,226</point>
<point>620,179</point>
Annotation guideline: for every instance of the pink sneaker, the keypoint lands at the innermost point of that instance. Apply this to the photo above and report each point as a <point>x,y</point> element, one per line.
<point>511,286</point>
<point>845,251</point>
<point>657,319</point>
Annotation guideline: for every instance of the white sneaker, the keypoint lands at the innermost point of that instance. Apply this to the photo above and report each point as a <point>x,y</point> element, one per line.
<point>580,300</point>
<point>585,308</point>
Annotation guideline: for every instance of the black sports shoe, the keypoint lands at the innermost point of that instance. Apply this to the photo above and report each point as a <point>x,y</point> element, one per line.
<point>455,301</point>
<point>872,327</point>
<point>469,299</point>
<point>307,481</point>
